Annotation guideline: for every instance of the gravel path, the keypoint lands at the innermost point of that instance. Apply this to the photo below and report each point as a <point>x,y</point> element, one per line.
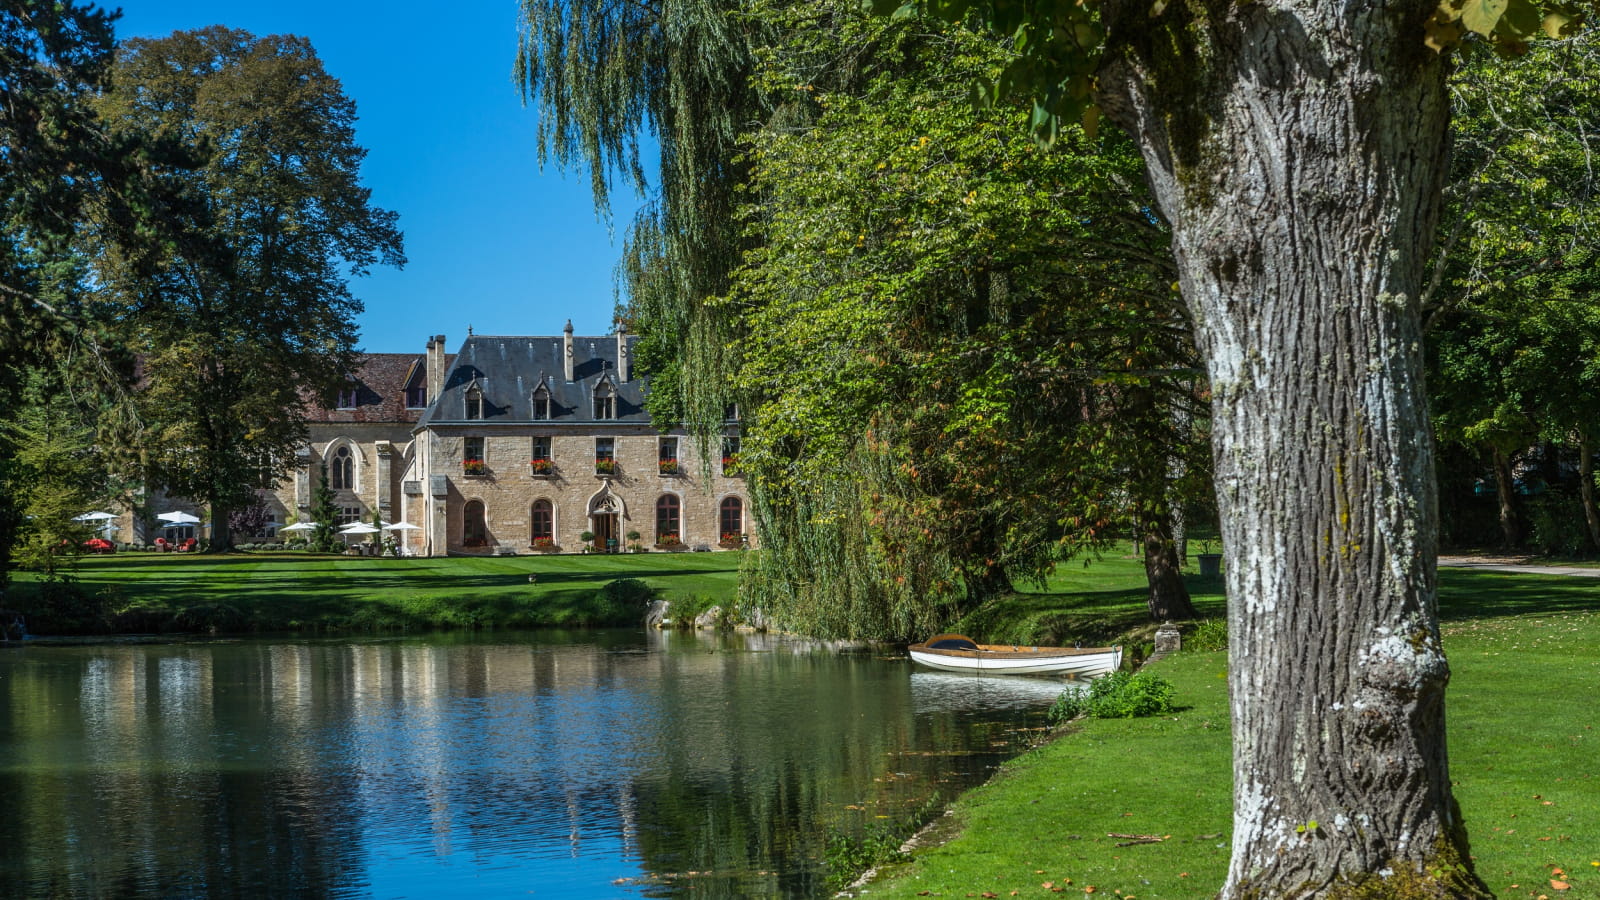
<point>1515,564</point>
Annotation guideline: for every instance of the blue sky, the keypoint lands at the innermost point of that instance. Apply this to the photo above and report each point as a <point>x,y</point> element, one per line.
<point>492,241</point>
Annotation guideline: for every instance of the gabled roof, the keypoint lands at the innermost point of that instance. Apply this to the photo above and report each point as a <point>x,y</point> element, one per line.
<point>509,369</point>
<point>380,380</point>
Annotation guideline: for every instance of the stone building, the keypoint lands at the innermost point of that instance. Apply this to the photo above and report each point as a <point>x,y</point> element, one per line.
<point>529,442</point>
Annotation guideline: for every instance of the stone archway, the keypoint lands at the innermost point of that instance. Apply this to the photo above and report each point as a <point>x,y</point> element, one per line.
<point>606,512</point>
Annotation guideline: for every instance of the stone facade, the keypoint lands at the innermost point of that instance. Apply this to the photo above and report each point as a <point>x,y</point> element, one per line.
<point>532,441</point>
<point>512,445</point>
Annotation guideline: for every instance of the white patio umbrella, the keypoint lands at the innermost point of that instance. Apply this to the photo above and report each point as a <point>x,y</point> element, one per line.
<point>402,526</point>
<point>94,517</point>
<point>179,518</point>
<point>299,526</point>
<point>358,528</point>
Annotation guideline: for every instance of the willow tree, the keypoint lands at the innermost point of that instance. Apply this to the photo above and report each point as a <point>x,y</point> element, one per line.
<point>251,312</point>
<point>1297,147</point>
<point>961,351</point>
<point>606,78</point>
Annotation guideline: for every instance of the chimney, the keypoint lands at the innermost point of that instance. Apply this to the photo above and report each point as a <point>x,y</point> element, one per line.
<point>567,350</point>
<point>622,352</point>
<point>435,368</point>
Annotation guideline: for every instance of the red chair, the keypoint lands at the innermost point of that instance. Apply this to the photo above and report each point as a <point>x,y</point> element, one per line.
<point>162,545</point>
<point>190,544</point>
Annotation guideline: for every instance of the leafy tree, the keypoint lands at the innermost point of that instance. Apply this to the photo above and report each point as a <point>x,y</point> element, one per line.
<point>53,476</point>
<point>324,511</point>
<point>982,335</point>
<point>251,313</point>
<point>1297,148</point>
<point>607,76</point>
<point>1515,335</point>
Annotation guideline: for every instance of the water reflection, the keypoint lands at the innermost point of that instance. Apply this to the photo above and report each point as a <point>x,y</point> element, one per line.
<point>596,764</point>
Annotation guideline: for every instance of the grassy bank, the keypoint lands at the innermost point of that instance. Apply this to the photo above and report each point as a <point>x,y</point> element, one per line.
<point>275,592</point>
<point>1525,758</point>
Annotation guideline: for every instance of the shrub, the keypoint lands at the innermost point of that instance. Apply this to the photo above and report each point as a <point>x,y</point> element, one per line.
<point>1556,526</point>
<point>628,593</point>
<point>1120,695</point>
<point>1210,634</point>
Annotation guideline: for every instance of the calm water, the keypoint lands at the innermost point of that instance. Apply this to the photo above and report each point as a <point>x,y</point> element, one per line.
<point>586,764</point>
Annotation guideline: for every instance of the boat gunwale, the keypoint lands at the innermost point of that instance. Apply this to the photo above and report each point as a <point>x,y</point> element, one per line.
<point>1010,651</point>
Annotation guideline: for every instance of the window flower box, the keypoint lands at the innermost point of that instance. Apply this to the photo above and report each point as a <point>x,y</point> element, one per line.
<point>474,467</point>
<point>730,464</point>
<point>605,466</point>
<point>669,467</point>
<point>545,545</point>
<point>541,466</point>
<point>669,542</point>
<point>731,541</point>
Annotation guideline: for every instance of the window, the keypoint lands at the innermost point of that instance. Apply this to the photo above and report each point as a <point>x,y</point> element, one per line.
<point>347,397</point>
<point>542,518</point>
<point>343,470</point>
<point>417,396</point>
<point>731,412</point>
<point>348,515</point>
<point>667,456</point>
<point>668,520</point>
<point>541,403</point>
<point>472,452</point>
<point>730,455</point>
<point>732,520</point>
<point>605,401</point>
<point>474,403</point>
<point>539,457</point>
<point>605,456</point>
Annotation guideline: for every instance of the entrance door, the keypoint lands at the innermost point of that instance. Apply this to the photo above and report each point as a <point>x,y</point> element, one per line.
<point>605,532</point>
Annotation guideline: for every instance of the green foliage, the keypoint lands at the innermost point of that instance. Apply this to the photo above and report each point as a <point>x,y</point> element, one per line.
<point>1208,635</point>
<point>52,473</point>
<point>324,512</point>
<point>977,333</point>
<point>629,596</point>
<point>1556,526</point>
<point>250,314</point>
<point>1120,695</point>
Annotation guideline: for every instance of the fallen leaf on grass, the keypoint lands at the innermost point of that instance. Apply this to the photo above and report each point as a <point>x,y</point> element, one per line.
<point>1558,885</point>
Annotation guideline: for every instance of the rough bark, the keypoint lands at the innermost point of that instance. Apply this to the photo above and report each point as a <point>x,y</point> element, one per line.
<point>1505,491</point>
<point>1591,514</point>
<point>1298,148</point>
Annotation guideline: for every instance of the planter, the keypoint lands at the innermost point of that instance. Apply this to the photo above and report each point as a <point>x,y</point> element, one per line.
<point>540,468</point>
<point>1210,565</point>
<point>670,467</point>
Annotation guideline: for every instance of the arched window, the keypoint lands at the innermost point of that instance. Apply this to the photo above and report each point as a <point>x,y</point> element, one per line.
<point>732,519</point>
<point>474,531</point>
<point>543,521</point>
<point>605,401</point>
<point>669,520</point>
<point>474,403</point>
<point>343,470</point>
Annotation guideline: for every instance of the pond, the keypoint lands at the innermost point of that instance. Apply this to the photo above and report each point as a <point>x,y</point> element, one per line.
<point>555,764</point>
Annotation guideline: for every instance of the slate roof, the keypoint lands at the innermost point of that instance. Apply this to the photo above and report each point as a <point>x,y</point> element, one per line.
<point>508,370</point>
<point>380,381</point>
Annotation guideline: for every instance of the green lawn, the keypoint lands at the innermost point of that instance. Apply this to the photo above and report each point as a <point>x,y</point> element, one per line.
<point>269,592</point>
<point>1525,758</point>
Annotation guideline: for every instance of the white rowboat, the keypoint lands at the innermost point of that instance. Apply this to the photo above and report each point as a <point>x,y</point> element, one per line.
<point>958,653</point>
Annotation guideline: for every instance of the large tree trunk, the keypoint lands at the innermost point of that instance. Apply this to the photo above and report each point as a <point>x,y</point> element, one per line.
<point>1505,491</point>
<point>1150,490</point>
<point>1297,148</point>
<point>1585,486</point>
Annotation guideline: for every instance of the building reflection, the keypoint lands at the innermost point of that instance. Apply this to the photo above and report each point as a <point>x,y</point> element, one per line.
<point>393,767</point>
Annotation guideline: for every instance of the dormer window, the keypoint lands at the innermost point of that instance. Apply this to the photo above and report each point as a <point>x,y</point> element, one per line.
<point>416,396</point>
<point>541,403</point>
<point>347,397</point>
<point>605,401</point>
<point>474,403</point>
